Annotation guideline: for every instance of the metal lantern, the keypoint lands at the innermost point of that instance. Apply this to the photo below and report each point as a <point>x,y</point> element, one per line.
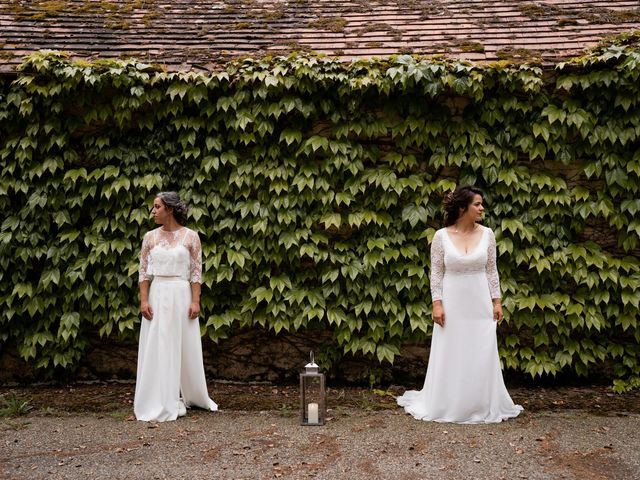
<point>312,395</point>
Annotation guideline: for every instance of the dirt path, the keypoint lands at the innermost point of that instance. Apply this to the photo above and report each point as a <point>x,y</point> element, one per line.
<point>86,432</point>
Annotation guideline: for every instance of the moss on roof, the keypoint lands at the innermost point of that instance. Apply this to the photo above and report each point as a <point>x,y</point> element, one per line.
<point>183,32</point>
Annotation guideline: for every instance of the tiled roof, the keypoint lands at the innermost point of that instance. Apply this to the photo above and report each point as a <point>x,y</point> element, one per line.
<point>183,34</point>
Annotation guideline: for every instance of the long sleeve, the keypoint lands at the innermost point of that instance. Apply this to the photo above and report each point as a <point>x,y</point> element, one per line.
<point>437,266</point>
<point>195,253</point>
<point>144,272</point>
<point>492,267</point>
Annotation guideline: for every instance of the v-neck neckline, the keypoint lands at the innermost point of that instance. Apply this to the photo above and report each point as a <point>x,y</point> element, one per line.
<point>472,250</point>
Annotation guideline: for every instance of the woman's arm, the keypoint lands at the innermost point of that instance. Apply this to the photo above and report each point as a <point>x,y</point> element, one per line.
<point>195,251</point>
<point>493,278</point>
<point>194,308</point>
<point>144,278</point>
<point>437,274</point>
<point>145,308</point>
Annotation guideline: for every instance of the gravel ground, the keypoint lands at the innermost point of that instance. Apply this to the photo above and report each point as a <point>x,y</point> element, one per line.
<point>355,444</point>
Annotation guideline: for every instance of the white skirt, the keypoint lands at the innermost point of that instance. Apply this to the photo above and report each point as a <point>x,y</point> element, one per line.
<point>170,356</point>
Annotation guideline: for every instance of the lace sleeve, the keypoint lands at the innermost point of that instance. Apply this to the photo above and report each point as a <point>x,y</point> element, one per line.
<point>195,250</point>
<point>143,271</point>
<point>492,267</point>
<point>437,266</point>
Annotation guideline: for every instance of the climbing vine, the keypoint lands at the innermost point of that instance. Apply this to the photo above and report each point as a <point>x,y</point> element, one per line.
<point>316,187</point>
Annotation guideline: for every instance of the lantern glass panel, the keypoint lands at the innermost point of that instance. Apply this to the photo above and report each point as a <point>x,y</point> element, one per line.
<point>312,399</point>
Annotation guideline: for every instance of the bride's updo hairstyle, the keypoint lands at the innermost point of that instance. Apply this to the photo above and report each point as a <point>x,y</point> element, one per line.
<point>458,201</point>
<point>171,200</point>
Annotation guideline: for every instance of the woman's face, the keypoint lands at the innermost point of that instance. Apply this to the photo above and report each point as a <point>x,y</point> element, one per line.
<point>159,211</point>
<point>475,210</point>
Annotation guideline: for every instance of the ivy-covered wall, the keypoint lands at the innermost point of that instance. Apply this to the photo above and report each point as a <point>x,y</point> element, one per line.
<point>316,187</point>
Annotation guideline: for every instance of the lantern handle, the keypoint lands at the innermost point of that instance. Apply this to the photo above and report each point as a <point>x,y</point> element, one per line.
<point>311,357</point>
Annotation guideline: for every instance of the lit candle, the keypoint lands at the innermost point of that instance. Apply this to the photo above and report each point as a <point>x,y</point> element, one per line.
<point>312,414</point>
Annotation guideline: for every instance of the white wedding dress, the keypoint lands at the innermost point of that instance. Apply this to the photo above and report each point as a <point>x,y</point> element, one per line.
<point>170,349</point>
<point>464,381</point>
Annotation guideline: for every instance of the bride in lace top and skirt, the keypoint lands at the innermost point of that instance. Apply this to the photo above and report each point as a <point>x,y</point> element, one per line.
<point>464,381</point>
<point>170,374</point>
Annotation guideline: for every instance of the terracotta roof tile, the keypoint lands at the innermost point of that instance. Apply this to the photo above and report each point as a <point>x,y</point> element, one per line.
<point>199,33</point>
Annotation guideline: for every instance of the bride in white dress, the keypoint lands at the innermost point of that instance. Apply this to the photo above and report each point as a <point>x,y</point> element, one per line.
<point>170,374</point>
<point>464,381</point>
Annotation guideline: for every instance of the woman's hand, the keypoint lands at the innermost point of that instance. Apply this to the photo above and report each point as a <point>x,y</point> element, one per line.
<point>438,313</point>
<point>497,310</point>
<point>194,310</point>
<point>146,310</point>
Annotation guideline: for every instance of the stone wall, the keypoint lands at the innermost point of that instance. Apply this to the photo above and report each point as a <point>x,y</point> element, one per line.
<point>249,355</point>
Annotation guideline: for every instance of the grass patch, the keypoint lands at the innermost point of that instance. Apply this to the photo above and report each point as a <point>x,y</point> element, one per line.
<point>11,405</point>
<point>285,410</point>
<point>121,414</point>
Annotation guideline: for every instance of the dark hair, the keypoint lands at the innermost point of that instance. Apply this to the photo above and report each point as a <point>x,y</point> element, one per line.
<point>172,201</point>
<point>459,199</point>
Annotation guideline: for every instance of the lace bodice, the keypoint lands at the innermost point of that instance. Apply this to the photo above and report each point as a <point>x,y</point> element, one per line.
<point>447,260</point>
<point>176,253</point>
